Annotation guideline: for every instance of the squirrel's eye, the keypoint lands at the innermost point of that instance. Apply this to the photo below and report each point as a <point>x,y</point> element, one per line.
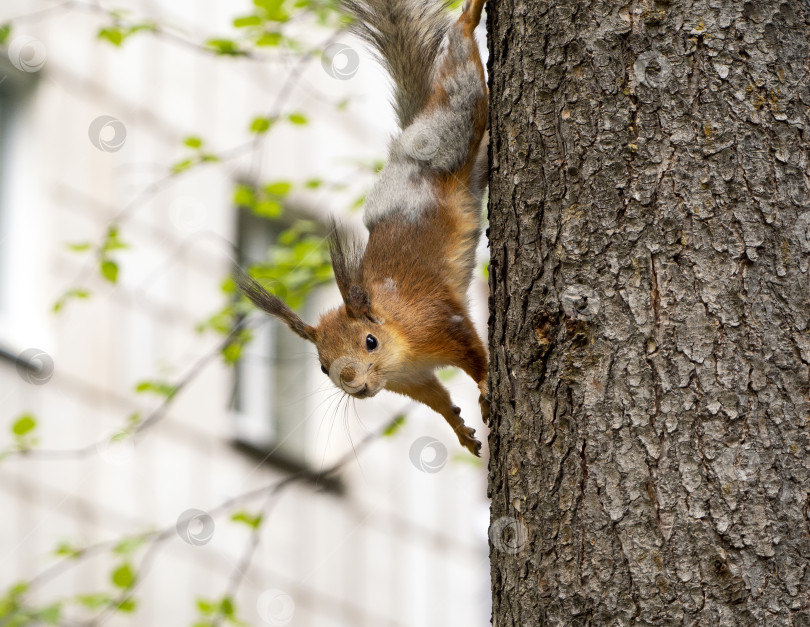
<point>371,343</point>
<point>324,370</point>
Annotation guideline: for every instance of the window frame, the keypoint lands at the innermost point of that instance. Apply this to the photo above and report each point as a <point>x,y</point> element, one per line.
<point>23,311</point>
<point>273,332</point>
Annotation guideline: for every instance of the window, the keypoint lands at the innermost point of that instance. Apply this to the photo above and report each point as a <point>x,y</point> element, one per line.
<point>22,311</point>
<point>272,378</point>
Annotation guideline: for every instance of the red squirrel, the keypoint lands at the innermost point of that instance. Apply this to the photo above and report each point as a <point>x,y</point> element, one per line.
<point>405,310</point>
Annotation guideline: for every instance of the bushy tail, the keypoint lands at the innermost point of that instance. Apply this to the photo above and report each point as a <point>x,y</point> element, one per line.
<point>407,34</point>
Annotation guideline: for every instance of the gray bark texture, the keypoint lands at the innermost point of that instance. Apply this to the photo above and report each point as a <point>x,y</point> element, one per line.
<point>649,337</point>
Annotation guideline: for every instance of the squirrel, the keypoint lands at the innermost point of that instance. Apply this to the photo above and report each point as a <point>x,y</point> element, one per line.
<point>404,293</point>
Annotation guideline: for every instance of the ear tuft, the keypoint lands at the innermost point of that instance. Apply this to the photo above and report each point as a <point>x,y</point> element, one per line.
<point>358,304</point>
<point>268,303</point>
<point>347,262</point>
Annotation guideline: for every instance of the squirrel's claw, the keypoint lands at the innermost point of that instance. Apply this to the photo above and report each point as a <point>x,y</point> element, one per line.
<point>483,401</point>
<point>466,435</point>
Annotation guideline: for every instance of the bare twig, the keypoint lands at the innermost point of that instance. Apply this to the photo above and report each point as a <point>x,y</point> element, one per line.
<point>154,539</point>
<point>155,416</point>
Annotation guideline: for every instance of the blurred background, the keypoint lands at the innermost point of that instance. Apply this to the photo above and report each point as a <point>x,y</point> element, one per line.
<point>163,447</point>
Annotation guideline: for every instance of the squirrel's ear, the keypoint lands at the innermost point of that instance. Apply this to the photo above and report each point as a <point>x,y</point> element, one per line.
<point>358,303</point>
<point>347,262</point>
<point>268,303</point>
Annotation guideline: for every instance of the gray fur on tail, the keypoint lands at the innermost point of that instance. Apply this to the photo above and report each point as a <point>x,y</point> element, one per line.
<point>407,35</point>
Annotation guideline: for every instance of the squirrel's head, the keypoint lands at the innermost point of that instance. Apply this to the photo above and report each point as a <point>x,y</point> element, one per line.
<point>356,348</point>
<point>356,352</point>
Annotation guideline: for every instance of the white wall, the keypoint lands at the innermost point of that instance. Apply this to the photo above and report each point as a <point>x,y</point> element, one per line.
<point>401,547</point>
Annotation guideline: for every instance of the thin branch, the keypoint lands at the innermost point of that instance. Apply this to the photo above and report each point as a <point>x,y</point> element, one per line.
<point>154,417</point>
<point>155,539</point>
<point>157,29</point>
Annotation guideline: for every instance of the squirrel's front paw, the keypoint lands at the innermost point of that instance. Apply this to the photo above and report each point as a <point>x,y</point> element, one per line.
<point>466,435</point>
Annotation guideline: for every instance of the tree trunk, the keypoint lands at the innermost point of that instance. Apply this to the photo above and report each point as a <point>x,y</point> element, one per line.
<point>649,340</point>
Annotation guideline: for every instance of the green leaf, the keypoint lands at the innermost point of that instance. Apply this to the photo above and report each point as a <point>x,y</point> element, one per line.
<point>145,26</point>
<point>297,118</point>
<point>161,388</point>
<point>109,270</point>
<point>273,9</point>
<point>65,549</point>
<point>227,607</point>
<point>127,606</point>
<point>244,196</point>
<point>133,421</point>
<point>260,125</point>
<point>23,425</point>
<point>358,203</point>
<point>79,247</point>
<point>50,614</point>
<point>313,184</point>
<point>249,20</point>
<point>251,520</point>
<point>182,166</point>
<point>114,35</point>
<point>269,39</point>
<point>113,241</point>
<point>224,47</point>
<point>128,546</point>
<point>205,606</point>
<point>123,576</point>
<point>228,285</point>
<point>279,188</point>
<point>93,601</point>
<point>74,293</point>
<point>5,32</point>
<point>267,209</point>
<point>447,374</point>
<point>232,353</point>
<point>193,142</point>
<point>18,589</point>
<point>396,424</point>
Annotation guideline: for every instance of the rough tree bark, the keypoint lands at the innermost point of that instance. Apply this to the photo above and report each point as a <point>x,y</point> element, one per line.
<point>649,227</point>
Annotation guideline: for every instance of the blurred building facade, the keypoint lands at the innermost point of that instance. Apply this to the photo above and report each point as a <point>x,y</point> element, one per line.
<point>88,133</point>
